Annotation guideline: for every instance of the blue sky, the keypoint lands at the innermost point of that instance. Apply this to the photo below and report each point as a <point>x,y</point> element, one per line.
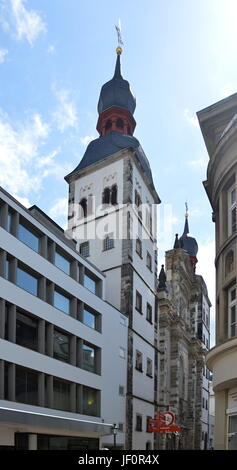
<point>179,57</point>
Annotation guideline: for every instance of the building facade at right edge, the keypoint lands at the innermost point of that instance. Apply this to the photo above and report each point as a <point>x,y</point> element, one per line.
<point>219,128</point>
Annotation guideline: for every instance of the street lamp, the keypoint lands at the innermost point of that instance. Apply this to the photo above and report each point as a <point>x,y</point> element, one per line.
<point>115,434</point>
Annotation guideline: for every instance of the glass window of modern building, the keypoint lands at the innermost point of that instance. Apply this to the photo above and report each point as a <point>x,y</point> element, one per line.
<point>90,283</point>
<point>61,349</point>
<point>28,237</point>
<point>89,318</point>
<point>61,302</point>
<point>9,222</point>
<point>27,281</point>
<point>26,331</point>
<point>26,386</point>
<point>7,269</point>
<point>88,358</point>
<point>61,391</point>
<point>90,401</point>
<point>62,263</point>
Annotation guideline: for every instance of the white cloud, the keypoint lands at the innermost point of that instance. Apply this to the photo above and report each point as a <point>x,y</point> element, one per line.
<point>66,114</point>
<point>25,24</point>
<point>60,208</point>
<point>199,163</point>
<point>192,120</point>
<point>48,160</point>
<point>23,200</point>
<point>3,54</point>
<point>196,212</point>
<point>22,167</point>
<point>206,268</point>
<point>51,49</point>
<point>87,139</point>
<point>227,90</point>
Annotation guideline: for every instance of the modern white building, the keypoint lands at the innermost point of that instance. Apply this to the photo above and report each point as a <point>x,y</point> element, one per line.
<point>62,372</point>
<point>112,215</point>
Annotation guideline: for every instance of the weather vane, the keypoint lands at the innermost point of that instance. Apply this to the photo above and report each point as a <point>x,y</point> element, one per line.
<point>119,34</point>
<point>186,207</point>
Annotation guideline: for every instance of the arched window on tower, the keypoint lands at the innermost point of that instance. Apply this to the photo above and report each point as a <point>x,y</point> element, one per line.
<point>106,196</point>
<point>90,205</point>
<point>120,123</point>
<point>114,194</point>
<point>83,204</point>
<point>138,200</point>
<point>108,125</point>
<point>229,262</point>
<point>129,130</point>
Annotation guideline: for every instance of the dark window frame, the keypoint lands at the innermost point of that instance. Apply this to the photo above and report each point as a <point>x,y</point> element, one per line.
<point>139,247</point>
<point>139,361</point>
<point>138,304</point>
<point>149,261</point>
<point>138,427</point>
<point>85,245</point>
<point>149,315</point>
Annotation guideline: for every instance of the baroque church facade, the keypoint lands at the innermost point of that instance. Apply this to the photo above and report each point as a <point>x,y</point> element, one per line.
<point>112,215</point>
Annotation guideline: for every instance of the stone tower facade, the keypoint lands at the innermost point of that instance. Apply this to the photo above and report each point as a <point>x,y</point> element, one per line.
<point>183,389</point>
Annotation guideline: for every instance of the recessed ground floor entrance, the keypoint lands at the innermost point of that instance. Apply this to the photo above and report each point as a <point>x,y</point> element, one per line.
<point>52,442</point>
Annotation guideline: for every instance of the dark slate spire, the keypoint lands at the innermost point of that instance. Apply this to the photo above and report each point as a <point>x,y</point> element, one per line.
<point>117,71</point>
<point>162,278</point>
<point>117,91</point>
<point>186,227</point>
<point>187,243</point>
<point>176,242</point>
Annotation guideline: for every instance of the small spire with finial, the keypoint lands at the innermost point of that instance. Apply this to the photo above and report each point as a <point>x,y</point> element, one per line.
<point>176,242</point>
<point>162,278</point>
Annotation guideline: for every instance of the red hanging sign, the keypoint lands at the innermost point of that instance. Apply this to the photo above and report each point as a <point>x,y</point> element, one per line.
<point>163,423</point>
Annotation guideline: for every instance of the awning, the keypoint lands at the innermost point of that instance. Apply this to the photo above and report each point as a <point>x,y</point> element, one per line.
<point>53,421</point>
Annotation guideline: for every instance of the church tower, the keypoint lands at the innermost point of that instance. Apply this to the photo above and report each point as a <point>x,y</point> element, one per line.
<point>112,216</point>
<point>184,335</point>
